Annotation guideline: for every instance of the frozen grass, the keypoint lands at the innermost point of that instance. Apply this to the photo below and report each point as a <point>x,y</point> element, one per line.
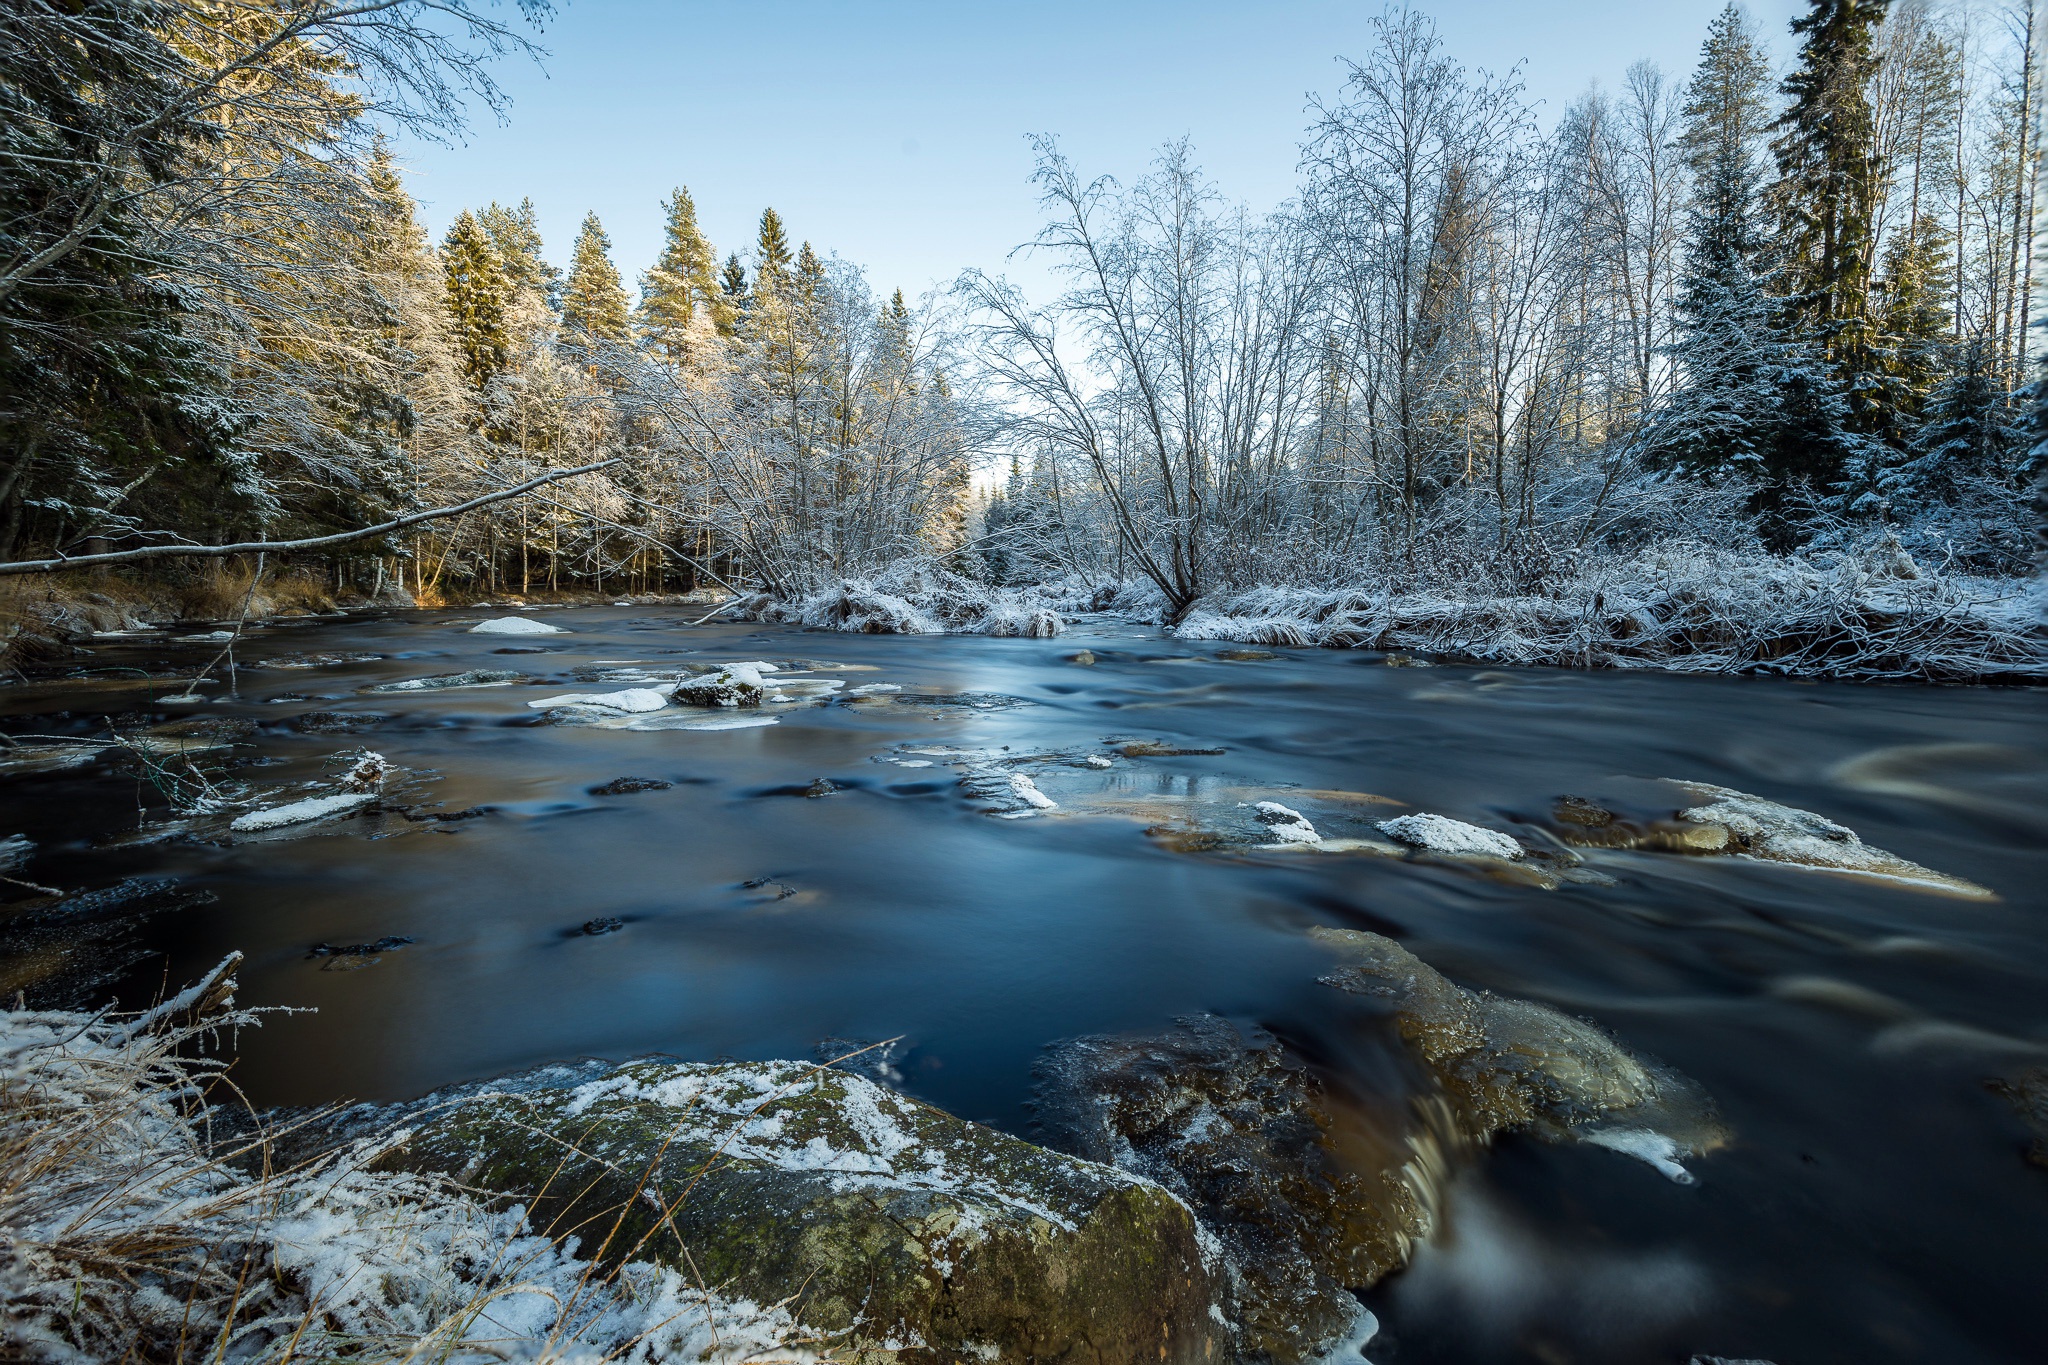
<point>1683,607</point>
<point>914,597</point>
<point>129,1232</point>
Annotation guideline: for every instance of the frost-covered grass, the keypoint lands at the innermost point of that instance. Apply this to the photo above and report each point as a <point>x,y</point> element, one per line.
<point>128,1232</point>
<point>914,597</point>
<point>1683,607</point>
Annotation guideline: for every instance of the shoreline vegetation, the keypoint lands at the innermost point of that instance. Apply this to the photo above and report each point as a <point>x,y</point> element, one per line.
<point>1683,608</point>
<point>1713,371</point>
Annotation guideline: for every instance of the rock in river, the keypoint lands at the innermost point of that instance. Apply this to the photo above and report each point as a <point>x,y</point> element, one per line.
<point>914,1234</point>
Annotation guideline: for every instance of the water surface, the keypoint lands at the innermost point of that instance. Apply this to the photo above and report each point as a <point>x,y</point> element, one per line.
<point>1874,1205</point>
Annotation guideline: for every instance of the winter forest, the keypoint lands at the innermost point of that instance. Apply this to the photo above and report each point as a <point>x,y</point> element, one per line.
<point>1725,369</point>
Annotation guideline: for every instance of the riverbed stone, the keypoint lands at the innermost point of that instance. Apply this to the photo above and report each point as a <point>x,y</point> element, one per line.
<point>1507,1064</point>
<point>1226,1117</point>
<point>899,1230</point>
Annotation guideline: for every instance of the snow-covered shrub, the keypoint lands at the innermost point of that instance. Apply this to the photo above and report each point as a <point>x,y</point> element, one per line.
<point>914,597</point>
<point>1682,606</point>
<point>130,1231</point>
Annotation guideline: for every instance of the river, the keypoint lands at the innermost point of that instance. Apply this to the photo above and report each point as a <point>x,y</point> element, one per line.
<point>1874,1203</point>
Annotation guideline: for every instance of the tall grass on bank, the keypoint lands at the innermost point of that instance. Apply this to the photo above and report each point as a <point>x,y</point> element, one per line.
<point>133,1229</point>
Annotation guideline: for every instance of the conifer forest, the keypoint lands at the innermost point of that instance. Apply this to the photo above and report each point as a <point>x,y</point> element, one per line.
<point>1735,321</point>
<point>818,683</point>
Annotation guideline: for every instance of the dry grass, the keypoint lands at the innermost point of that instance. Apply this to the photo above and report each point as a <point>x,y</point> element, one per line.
<point>131,1231</point>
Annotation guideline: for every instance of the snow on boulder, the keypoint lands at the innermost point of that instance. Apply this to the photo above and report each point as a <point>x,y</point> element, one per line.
<point>1762,828</point>
<point>299,812</point>
<point>1289,826</point>
<point>632,699</point>
<point>1027,791</point>
<point>732,685</point>
<point>515,625</point>
<point>1441,834</point>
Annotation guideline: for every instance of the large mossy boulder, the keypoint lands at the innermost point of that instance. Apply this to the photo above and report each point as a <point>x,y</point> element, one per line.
<point>895,1229</point>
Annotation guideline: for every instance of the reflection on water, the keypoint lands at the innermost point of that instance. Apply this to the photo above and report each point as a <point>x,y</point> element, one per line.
<point>809,880</point>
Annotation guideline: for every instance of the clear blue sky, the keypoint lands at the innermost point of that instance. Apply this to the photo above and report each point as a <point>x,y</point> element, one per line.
<point>892,131</point>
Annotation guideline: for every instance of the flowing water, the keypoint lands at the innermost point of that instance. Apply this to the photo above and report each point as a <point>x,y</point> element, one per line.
<point>1874,1203</point>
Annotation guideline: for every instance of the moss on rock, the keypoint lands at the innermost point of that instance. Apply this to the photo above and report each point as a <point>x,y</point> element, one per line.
<point>904,1231</point>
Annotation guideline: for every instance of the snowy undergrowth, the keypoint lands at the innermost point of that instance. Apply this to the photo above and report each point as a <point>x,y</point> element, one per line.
<point>914,597</point>
<point>1683,607</point>
<point>126,1233</point>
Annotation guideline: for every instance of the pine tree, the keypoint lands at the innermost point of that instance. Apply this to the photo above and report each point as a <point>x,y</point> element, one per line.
<point>479,291</point>
<point>1827,192</point>
<point>683,281</point>
<point>516,235</point>
<point>594,307</point>
<point>771,255</point>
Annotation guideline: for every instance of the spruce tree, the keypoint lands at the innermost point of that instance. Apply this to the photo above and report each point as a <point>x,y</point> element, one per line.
<point>594,307</point>
<point>479,292</point>
<point>516,235</point>
<point>1751,399</point>
<point>771,255</point>
<point>1826,196</point>
<point>683,281</point>
<point>732,282</point>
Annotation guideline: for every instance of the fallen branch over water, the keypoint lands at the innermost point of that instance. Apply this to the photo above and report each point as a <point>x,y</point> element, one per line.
<point>250,547</point>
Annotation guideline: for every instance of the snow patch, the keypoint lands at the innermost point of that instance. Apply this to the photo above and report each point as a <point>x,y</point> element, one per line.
<point>299,812</point>
<point>1441,834</point>
<point>633,699</point>
<point>515,625</point>
<point>1644,1144</point>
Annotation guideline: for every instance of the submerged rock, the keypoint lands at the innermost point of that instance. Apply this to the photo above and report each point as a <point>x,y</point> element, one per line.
<point>478,677</point>
<point>1508,1064</point>
<point>1784,834</point>
<point>1720,820</point>
<point>1224,1117</point>
<point>67,954</point>
<point>916,1235</point>
<point>2028,1095</point>
<point>624,786</point>
<point>1155,748</point>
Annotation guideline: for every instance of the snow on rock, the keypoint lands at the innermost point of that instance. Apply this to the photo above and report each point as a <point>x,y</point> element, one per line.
<point>1646,1145</point>
<point>738,684</point>
<point>1776,833</point>
<point>1441,834</point>
<point>299,812</point>
<point>366,773</point>
<point>1289,826</point>
<point>632,699</point>
<point>1027,791</point>
<point>795,1171</point>
<point>515,625</point>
